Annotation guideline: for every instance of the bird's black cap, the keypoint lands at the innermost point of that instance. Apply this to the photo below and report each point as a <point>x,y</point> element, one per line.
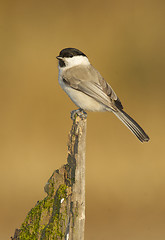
<point>70,52</point>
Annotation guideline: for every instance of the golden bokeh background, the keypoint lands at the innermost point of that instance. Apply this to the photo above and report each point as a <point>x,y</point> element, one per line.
<point>125,180</point>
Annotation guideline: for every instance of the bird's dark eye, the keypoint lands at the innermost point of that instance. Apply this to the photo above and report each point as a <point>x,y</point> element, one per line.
<point>61,63</point>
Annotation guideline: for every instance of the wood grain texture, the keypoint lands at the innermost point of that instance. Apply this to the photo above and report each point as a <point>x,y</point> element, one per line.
<point>61,214</point>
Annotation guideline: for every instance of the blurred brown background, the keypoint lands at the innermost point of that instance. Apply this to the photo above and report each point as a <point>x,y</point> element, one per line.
<point>125,180</point>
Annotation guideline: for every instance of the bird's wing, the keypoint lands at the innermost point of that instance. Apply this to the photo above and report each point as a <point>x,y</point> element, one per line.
<point>110,93</point>
<point>89,81</point>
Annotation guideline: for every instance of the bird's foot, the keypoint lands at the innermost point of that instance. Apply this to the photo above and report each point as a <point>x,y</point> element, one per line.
<point>78,112</point>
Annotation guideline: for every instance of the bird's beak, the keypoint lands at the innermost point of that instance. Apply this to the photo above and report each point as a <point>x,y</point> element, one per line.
<point>59,58</point>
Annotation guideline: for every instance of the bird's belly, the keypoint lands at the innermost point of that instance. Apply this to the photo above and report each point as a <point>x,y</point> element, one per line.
<point>84,101</point>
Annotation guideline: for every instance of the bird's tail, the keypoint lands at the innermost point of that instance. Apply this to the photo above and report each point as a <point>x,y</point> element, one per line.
<point>132,125</point>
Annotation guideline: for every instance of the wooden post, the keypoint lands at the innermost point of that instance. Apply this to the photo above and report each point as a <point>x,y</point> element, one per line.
<point>61,214</point>
<point>78,193</point>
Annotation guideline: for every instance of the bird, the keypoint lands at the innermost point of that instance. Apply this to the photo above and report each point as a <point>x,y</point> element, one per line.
<point>89,91</point>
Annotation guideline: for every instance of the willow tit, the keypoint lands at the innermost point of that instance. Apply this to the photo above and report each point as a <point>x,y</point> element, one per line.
<point>88,89</point>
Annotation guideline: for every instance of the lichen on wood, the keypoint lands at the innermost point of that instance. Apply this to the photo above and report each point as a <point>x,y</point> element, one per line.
<point>61,214</point>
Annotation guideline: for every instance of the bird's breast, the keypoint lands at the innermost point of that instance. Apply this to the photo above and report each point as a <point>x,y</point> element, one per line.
<point>81,99</point>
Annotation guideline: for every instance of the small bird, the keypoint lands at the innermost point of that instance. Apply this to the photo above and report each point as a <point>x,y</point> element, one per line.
<point>88,89</point>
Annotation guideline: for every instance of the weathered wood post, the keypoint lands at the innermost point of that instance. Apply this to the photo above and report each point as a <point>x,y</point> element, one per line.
<point>61,214</point>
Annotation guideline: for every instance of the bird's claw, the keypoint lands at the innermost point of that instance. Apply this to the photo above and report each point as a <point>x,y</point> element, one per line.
<point>78,112</point>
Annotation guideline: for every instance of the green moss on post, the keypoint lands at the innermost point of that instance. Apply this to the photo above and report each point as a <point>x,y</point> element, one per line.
<point>61,214</point>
